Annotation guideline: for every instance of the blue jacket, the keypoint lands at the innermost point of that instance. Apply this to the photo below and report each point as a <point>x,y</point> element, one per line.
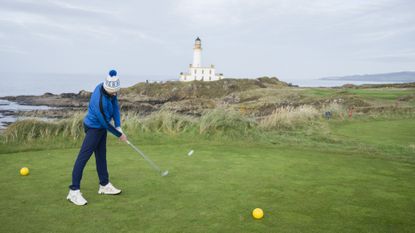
<point>102,109</point>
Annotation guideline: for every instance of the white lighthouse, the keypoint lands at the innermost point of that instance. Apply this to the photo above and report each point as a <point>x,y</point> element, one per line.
<point>197,53</point>
<point>196,70</point>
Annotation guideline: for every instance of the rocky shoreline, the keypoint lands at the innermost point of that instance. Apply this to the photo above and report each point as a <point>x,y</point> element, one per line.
<point>48,106</point>
<point>67,104</point>
<point>52,100</point>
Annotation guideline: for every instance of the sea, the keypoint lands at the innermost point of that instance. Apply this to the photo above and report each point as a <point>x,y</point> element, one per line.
<point>14,84</point>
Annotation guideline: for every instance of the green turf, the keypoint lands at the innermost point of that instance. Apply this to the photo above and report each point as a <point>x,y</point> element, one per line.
<point>366,93</point>
<point>300,188</point>
<point>321,92</point>
<point>382,93</point>
<point>383,132</point>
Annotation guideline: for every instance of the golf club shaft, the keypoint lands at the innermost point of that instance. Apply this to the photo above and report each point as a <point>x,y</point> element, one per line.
<point>144,156</point>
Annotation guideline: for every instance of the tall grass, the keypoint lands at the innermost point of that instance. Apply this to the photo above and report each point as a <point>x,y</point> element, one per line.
<point>289,117</point>
<point>32,129</point>
<point>227,122</point>
<point>221,122</point>
<point>214,122</point>
<point>286,125</point>
<point>160,122</point>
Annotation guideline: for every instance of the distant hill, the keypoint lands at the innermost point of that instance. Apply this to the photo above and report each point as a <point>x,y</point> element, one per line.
<point>405,76</point>
<point>175,90</point>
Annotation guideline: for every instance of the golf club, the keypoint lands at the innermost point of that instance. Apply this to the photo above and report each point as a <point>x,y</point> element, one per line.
<point>157,168</point>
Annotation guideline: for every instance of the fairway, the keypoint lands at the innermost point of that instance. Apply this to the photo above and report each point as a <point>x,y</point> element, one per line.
<point>300,189</point>
<point>382,132</point>
<point>382,93</point>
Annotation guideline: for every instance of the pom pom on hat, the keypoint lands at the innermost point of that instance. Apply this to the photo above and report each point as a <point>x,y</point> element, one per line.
<point>112,82</point>
<point>112,73</point>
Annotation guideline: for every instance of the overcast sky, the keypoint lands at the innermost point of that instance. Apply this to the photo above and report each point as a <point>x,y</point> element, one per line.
<point>290,39</point>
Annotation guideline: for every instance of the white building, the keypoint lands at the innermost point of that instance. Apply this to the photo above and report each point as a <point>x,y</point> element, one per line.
<point>196,71</point>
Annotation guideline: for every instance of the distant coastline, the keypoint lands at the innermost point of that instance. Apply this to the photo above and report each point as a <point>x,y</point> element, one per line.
<point>40,83</point>
<point>399,77</point>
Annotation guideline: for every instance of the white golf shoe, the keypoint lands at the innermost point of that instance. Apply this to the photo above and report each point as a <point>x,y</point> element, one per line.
<point>75,196</point>
<point>108,189</point>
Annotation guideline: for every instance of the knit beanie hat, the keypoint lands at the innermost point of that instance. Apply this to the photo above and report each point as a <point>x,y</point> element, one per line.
<point>112,82</point>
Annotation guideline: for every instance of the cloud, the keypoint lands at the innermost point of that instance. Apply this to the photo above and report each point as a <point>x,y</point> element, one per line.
<point>324,7</point>
<point>269,35</point>
<point>59,20</point>
<point>11,49</point>
<point>224,12</point>
<point>54,8</point>
<point>386,33</point>
<point>217,12</point>
<point>406,56</point>
<point>394,59</point>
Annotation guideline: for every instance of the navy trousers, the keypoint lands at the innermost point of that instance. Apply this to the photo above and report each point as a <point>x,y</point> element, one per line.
<point>95,142</point>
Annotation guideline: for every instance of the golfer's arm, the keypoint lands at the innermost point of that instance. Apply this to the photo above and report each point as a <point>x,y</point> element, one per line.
<point>117,117</point>
<point>101,117</point>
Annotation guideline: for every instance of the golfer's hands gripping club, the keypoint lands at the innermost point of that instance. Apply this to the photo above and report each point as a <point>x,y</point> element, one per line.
<point>123,138</point>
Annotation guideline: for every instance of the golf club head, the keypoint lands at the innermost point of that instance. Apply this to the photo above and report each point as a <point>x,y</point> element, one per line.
<point>165,173</point>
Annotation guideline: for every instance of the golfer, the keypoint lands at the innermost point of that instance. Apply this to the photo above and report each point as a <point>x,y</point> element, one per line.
<point>103,107</point>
